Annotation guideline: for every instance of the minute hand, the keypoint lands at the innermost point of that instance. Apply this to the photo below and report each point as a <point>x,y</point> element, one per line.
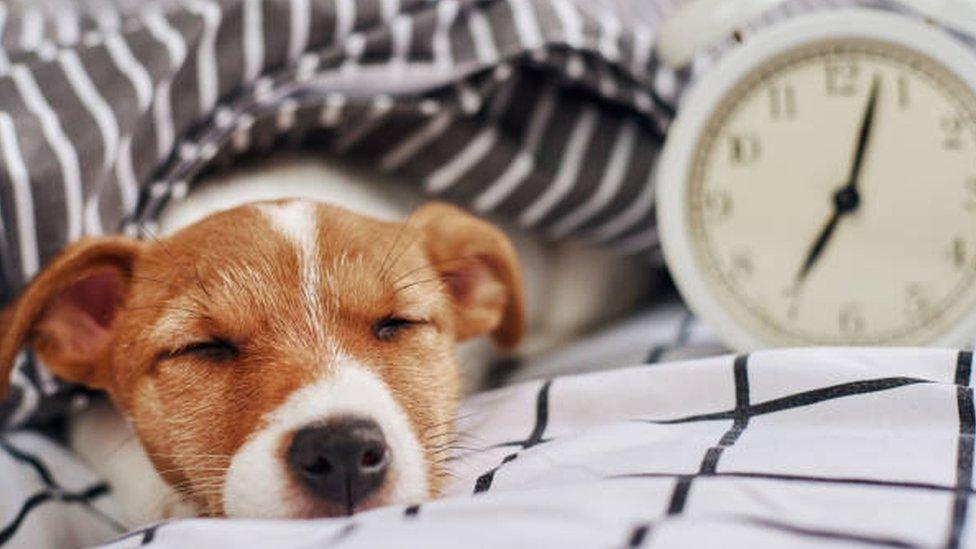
<point>846,199</point>
<point>867,124</point>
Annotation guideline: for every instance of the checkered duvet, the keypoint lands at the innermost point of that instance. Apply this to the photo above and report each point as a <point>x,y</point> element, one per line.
<point>816,447</point>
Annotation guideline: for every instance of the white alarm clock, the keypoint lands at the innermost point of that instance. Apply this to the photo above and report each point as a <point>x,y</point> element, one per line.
<point>818,186</point>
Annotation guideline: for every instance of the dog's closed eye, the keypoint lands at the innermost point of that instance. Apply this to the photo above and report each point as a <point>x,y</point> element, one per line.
<point>214,349</point>
<point>386,328</point>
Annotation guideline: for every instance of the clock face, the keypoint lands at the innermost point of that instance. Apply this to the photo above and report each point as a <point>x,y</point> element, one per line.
<point>832,197</point>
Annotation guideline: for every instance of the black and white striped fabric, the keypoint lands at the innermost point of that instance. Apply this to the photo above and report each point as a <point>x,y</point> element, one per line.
<point>791,448</point>
<point>109,108</point>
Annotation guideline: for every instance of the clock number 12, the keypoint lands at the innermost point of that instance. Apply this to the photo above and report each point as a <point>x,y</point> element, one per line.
<point>841,77</point>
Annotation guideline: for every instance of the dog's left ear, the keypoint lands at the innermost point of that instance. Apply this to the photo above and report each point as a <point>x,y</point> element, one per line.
<point>479,266</point>
<point>66,313</point>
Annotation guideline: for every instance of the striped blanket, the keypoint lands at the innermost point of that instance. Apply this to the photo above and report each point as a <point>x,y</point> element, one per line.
<point>548,112</point>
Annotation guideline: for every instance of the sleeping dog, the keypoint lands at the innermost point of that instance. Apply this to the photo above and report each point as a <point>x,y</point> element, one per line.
<point>281,358</point>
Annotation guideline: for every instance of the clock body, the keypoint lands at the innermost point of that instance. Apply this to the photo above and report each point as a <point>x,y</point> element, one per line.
<point>819,186</point>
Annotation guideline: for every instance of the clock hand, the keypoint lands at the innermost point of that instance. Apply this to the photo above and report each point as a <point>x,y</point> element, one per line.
<point>867,124</point>
<point>817,248</point>
<point>846,199</point>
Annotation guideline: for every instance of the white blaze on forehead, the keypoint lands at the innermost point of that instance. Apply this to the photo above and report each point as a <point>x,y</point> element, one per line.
<point>258,482</point>
<point>297,222</point>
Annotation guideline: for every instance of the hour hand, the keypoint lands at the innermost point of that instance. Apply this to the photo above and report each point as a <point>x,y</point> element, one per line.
<point>818,247</point>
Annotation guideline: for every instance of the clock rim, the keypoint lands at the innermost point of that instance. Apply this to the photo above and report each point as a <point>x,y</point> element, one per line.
<point>707,93</point>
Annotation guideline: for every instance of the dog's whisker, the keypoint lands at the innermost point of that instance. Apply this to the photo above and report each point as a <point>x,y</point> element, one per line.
<point>403,249</point>
<point>392,248</point>
<point>445,451</point>
<point>193,470</point>
<point>460,437</point>
<point>188,456</point>
<point>195,313</point>
<point>436,280</point>
<point>433,265</point>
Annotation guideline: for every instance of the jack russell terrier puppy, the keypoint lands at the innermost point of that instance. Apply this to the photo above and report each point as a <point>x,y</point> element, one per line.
<point>284,357</point>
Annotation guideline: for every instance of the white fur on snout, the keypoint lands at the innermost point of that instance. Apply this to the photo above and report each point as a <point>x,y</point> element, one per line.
<point>258,482</point>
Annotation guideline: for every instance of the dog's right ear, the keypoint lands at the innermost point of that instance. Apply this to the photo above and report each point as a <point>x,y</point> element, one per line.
<point>66,313</point>
<point>480,268</point>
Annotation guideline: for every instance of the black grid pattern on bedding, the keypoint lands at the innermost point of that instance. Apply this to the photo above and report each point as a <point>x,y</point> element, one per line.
<point>735,460</point>
<point>962,491</point>
<point>48,491</point>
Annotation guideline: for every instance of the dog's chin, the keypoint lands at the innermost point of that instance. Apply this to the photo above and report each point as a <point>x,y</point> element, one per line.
<point>322,509</point>
<point>303,506</point>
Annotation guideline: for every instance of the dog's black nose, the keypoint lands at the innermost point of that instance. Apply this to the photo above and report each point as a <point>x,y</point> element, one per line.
<point>341,461</point>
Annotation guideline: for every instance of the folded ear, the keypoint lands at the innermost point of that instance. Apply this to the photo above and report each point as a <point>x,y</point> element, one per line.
<point>480,268</point>
<point>66,313</point>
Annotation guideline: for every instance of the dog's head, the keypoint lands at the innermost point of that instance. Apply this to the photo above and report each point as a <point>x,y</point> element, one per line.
<point>281,359</point>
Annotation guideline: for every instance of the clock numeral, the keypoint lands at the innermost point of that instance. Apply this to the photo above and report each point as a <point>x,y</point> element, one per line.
<point>717,205</point>
<point>916,303</point>
<point>904,98</point>
<point>851,319</point>
<point>952,132</point>
<point>741,265</point>
<point>969,187</point>
<point>744,149</point>
<point>792,296</point>
<point>958,253</point>
<point>793,311</point>
<point>782,101</point>
<point>841,77</point>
